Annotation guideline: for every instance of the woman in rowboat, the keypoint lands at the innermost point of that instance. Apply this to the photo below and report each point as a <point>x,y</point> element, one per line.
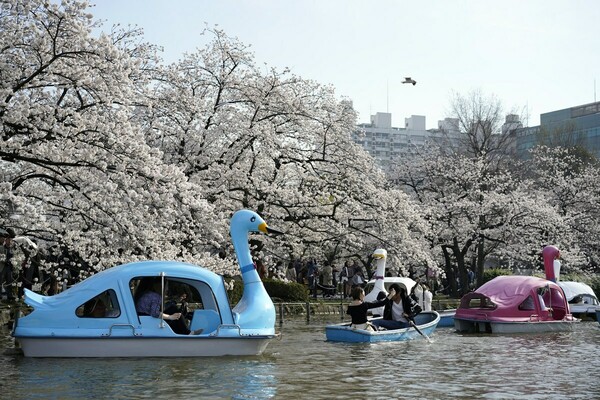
<point>397,309</point>
<point>357,309</point>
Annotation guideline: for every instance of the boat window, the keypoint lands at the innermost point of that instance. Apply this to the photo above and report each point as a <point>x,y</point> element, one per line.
<point>181,295</point>
<point>477,302</point>
<point>527,304</point>
<point>104,305</point>
<point>576,300</point>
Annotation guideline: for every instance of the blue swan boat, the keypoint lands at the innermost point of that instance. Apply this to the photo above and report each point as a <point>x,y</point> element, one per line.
<point>71,324</point>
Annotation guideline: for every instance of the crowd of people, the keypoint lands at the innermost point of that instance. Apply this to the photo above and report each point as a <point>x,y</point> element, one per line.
<point>325,278</point>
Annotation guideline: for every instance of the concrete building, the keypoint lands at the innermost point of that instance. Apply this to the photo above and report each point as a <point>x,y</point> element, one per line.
<point>387,143</point>
<point>575,126</point>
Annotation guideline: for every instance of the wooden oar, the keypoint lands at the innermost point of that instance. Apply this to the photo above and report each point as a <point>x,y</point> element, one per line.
<point>411,322</point>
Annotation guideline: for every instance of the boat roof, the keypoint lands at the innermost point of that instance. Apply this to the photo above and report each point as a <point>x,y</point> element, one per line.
<point>503,290</point>
<point>121,275</point>
<point>408,283</point>
<point>573,289</point>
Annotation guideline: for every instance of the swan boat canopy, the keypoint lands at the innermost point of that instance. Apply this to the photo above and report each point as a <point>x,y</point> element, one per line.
<point>425,321</point>
<point>582,299</point>
<point>69,324</point>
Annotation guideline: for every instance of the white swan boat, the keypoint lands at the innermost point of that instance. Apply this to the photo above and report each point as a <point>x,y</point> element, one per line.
<point>582,299</point>
<point>380,283</point>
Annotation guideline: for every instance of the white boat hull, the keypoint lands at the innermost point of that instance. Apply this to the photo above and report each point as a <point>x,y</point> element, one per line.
<point>143,347</point>
<point>532,327</point>
<point>482,326</point>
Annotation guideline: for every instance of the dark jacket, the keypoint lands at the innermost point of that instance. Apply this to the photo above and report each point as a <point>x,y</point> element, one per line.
<point>359,312</point>
<point>387,310</point>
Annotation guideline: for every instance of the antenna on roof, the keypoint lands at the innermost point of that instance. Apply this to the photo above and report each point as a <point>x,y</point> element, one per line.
<point>387,89</point>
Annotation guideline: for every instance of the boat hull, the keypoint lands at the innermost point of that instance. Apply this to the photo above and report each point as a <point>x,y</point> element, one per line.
<point>426,322</point>
<point>446,318</point>
<point>588,313</point>
<point>142,347</point>
<point>502,327</point>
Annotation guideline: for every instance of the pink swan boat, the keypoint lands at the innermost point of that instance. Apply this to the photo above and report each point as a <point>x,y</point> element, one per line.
<point>517,304</point>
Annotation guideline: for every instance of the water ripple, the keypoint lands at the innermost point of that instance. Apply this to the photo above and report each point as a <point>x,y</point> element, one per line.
<point>303,364</point>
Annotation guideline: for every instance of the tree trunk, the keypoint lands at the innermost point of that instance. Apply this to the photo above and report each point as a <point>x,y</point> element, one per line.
<point>480,261</point>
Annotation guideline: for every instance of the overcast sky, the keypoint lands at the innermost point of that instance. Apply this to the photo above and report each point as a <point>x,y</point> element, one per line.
<point>536,56</point>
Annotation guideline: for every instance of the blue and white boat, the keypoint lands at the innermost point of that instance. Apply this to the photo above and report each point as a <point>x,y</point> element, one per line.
<point>426,322</point>
<point>70,325</point>
<point>447,318</point>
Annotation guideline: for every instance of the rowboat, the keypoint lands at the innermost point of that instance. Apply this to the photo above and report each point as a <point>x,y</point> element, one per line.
<point>72,323</point>
<point>425,322</point>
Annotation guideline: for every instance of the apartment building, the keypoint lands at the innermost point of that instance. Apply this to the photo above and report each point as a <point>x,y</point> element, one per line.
<point>387,143</point>
<point>574,126</point>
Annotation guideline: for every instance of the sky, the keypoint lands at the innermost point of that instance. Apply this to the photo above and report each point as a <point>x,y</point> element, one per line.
<point>535,56</point>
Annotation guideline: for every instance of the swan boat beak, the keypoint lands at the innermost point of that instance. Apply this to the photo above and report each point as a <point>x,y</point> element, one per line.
<point>265,229</point>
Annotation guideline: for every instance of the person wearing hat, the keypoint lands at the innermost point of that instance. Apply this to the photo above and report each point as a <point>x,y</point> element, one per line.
<point>6,277</point>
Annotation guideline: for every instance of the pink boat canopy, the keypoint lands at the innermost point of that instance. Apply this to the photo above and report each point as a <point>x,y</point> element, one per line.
<point>515,299</point>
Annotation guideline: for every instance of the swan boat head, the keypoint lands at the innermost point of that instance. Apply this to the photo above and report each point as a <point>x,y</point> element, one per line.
<point>380,257</point>
<point>255,312</point>
<point>550,254</point>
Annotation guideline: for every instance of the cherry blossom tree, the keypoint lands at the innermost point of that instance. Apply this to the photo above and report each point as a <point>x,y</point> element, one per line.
<point>112,156</point>
<point>570,184</point>
<point>274,142</point>
<point>76,169</point>
<point>478,208</point>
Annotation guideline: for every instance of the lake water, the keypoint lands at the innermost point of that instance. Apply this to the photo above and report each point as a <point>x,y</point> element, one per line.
<point>302,364</point>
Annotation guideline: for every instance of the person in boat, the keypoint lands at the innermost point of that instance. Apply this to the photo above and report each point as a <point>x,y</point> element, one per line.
<point>357,309</point>
<point>528,302</point>
<point>396,313</point>
<point>148,301</point>
<point>541,291</point>
<point>577,300</point>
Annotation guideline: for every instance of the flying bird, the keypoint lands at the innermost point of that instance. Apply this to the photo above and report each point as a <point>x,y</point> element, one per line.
<point>408,79</point>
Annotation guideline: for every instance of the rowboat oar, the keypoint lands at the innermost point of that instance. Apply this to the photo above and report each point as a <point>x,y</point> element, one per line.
<point>411,322</point>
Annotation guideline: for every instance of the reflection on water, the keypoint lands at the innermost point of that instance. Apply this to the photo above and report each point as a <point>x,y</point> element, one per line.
<point>302,363</point>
